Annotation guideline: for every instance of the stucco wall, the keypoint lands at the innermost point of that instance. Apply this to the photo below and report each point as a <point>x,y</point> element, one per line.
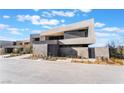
<point>102,52</point>
<point>74,51</point>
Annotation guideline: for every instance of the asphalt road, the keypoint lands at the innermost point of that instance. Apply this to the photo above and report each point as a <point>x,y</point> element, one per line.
<point>22,71</point>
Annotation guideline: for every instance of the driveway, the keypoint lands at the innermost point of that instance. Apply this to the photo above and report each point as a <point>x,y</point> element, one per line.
<point>43,72</point>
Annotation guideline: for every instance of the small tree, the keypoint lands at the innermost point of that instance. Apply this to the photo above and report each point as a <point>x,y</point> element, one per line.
<point>115,49</point>
<point>121,51</point>
<point>17,50</point>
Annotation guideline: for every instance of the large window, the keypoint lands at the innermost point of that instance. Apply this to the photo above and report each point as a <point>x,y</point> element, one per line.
<point>36,39</point>
<point>76,33</point>
<point>14,43</point>
<point>55,37</point>
<point>83,45</point>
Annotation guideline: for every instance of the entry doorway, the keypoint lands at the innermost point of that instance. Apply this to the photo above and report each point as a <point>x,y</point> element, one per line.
<point>91,52</point>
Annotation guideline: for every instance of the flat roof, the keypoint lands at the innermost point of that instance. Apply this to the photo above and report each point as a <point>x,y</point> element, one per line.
<point>60,30</point>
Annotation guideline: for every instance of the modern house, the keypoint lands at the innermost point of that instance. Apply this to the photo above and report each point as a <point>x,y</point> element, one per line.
<point>71,41</point>
<point>11,46</point>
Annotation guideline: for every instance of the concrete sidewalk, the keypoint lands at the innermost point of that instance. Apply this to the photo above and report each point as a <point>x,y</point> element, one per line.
<point>21,56</point>
<point>3,56</point>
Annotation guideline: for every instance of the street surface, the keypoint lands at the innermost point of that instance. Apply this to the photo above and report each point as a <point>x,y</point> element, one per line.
<point>43,72</point>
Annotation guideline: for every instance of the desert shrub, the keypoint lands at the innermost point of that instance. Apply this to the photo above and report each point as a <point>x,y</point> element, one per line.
<point>116,50</point>
<point>97,62</point>
<point>87,62</point>
<point>27,50</point>
<point>17,51</point>
<point>118,61</point>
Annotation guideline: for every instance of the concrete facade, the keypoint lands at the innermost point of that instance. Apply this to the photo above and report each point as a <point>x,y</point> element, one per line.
<point>102,52</point>
<point>45,49</point>
<point>74,52</point>
<point>40,49</point>
<point>71,40</point>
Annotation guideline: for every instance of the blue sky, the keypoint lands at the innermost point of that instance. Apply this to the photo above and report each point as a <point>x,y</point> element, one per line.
<point>18,24</point>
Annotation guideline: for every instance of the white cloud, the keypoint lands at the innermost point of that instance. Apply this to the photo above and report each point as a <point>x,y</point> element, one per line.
<point>58,13</point>
<point>63,13</point>
<point>6,38</point>
<point>3,38</point>
<point>37,20</point>
<point>25,29</point>
<point>46,14</point>
<point>14,31</point>
<point>49,22</point>
<point>104,34</point>
<point>22,17</point>
<point>48,27</point>
<point>84,14</point>
<point>99,34</point>
<point>63,25</point>
<point>3,26</point>
<point>62,20</point>
<point>33,18</point>
<point>36,10</point>
<point>70,13</point>
<point>36,31</point>
<point>86,10</point>
<point>111,29</point>
<point>6,17</point>
<point>98,24</point>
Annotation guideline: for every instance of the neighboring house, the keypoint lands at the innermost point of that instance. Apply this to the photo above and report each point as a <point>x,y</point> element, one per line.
<point>11,46</point>
<point>4,44</point>
<point>70,41</point>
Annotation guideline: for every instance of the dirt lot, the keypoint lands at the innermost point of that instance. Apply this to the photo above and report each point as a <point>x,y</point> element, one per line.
<point>44,72</point>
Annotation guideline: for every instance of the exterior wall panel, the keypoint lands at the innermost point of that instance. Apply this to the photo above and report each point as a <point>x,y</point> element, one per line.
<point>73,41</point>
<point>74,51</point>
<point>40,49</point>
<point>102,52</point>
